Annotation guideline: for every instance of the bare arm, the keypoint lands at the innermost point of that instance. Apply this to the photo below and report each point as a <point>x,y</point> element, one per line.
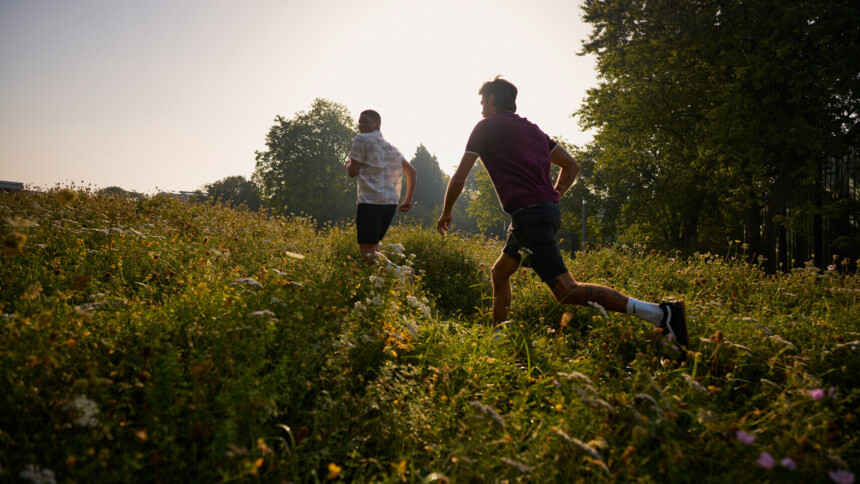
<point>455,188</point>
<point>352,167</point>
<point>569,169</point>
<point>411,180</point>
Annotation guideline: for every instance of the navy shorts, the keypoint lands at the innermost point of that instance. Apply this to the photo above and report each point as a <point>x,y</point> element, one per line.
<point>372,221</point>
<point>531,240</point>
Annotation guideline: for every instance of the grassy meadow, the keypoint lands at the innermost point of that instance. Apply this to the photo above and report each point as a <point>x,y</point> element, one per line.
<point>157,341</point>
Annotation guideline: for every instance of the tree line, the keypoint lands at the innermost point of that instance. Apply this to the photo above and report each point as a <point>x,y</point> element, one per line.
<point>715,121</point>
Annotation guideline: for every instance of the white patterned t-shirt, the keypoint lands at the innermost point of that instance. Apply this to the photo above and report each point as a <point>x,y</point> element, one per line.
<point>379,179</point>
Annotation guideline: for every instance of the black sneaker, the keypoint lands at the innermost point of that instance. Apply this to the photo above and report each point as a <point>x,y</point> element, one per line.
<point>674,322</point>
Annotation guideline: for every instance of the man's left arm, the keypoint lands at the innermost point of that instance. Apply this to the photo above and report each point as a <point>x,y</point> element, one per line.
<point>569,169</point>
<point>411,179</point>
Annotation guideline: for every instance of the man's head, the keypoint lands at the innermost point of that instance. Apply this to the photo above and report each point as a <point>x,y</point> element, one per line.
<point>499,94</point>
<point>369,121</point>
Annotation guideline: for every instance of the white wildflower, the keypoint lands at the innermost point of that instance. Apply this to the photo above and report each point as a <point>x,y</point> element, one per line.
<point>248,281</point>
<point>599,307</point>
<point>263,313</point>
<point>358,305</point>
<point>377,281</point>
<point>86,409</point>
<point>520,467</point>
<point>425,311</point>
<point>694,384</point>
<point>413,301</point>
<point>38,476</point>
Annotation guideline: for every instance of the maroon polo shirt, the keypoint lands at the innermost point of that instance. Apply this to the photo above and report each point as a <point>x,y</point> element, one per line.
<point>515,153</point>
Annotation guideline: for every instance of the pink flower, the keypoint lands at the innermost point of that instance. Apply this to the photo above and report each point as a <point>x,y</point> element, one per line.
<point>832,392</point>
<point>745,437</point>
<point>788,463</point>
<point>816,394</point>
<point>841,477</point>
<point>831,267</point>
<point>766,460</point>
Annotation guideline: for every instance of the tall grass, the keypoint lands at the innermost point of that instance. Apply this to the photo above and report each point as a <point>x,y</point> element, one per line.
<point>152,340</point>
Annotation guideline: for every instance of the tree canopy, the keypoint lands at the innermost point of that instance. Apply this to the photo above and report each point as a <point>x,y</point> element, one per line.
<point>711,115</point>
<point>301,170</point>
<point>235,191</point>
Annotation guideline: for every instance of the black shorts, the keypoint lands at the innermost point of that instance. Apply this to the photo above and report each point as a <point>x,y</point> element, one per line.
<point>531,240</point>
<point>372,221</point>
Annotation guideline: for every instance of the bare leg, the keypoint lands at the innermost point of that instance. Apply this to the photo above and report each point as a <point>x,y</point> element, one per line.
<point>501,273</point>
<point>567,291</point>
<point>369,251</point>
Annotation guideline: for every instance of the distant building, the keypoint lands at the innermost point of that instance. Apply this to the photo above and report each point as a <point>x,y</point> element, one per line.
<point>8,186</point>
<point>186,196</point>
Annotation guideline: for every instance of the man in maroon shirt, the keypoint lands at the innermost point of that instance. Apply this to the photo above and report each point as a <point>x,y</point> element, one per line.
<point>518,157</point>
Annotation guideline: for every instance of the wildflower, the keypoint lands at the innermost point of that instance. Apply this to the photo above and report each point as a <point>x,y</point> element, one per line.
<point>377,281</point>
<point>248,281</point>
<point>358,305</point>
<point>831,267</point>
<point>745,437</point>
<point>413,301</point>
<point>599,307</point>
<point>788,463</point>
<point>263,313</point>
<point>694,384</point>
<point>489,412</point>
<point>841,477</point>
<point>87,409</point>
<point>832,393</point>
<point>766,460</point>
<point>38,476</point>
<point>334,470</point>
<point>520,467</point>
<point>816,394</point>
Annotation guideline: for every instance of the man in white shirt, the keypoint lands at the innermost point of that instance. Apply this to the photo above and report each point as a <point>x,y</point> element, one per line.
<point>379,167</point>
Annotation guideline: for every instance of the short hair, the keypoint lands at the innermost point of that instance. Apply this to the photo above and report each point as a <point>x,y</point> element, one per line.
<point>503,91</point>
<point>372,115</point>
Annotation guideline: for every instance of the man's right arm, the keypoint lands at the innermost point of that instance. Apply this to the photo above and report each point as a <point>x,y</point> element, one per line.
<point>569,169</point>
<point>455,188</point>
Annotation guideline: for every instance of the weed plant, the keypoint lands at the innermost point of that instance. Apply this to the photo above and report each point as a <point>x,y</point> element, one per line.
<point>157,341</point>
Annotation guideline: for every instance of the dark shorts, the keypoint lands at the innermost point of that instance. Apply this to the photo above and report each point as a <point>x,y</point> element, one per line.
<point>372,221</point>
<point>531,240</point>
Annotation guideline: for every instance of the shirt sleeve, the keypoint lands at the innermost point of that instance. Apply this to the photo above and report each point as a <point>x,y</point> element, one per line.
<point>477,139</point>
<point>357,152</point>
<point>551,143</point>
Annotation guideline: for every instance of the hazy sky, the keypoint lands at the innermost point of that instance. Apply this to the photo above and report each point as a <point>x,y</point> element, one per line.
<point>172,95</point>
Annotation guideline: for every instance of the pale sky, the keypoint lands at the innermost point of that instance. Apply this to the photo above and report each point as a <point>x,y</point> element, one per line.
<point>173,94</point>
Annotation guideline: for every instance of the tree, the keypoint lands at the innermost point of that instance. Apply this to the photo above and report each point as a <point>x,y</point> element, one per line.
<point>301,170</point>
<point>430,189</point>
<point>484,203</point>
<point>718,111</point>
<point>235,191</point>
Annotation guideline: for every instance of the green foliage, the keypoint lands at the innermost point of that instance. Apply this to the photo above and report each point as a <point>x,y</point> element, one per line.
<point>430,190</point>
<point>154,340</point>
<point>235,191</point>
<point>301,171</point>
<point>710,112</point>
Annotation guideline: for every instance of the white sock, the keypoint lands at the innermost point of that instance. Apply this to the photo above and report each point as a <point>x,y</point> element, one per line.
<point>648,311</point>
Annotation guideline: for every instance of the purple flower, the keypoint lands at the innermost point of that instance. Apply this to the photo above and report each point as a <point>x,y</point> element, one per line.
<point>831,267</point>
<point>556,383</point>
<point>670,337</point>
<point>788,463</point>
<point>766,460</point>
<point>832,392</point>
<point>745,437</point>
<point>841,477</point>
<point>816,394</point>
